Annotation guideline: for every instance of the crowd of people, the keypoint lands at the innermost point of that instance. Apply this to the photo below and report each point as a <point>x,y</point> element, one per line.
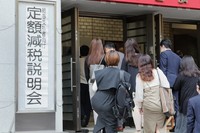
<point>179,73</point>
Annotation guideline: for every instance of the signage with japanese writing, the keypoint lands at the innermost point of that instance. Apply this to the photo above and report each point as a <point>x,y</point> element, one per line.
<point>36,57</point>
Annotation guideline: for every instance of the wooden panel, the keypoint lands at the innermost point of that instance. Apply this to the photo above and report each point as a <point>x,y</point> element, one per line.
<point>66,75</point>
<point>140,39</point>
<point>135,27</point>
<point>136,24</point>
<point>66,20</point>
<point>66,28</point>
<point>66,36</point>
<point>136,32</point>
<point>66,67</point>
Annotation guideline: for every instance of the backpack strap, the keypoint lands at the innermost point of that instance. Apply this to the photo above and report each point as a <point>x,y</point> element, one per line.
<point>121,74</point>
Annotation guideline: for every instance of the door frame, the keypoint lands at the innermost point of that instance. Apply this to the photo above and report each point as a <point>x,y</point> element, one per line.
<point>73,123</point>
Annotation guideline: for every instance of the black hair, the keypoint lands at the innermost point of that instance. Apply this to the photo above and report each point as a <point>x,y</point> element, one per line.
<point>166,42</point>
<point>84,49</point>
<point>109,45</point>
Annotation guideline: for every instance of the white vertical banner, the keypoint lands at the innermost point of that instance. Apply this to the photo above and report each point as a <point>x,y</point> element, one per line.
<point>36,43</point>
<point>36,93</point>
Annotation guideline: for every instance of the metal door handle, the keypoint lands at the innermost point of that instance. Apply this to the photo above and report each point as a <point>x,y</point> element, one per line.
<point>71,64</point>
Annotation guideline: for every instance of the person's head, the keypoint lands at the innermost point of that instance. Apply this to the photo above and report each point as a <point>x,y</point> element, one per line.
<point>198,85</point>
<point>112,58</point>
<point>131,45</point>
<point>84,49</point>
<point>131,51</point>
<point>179,53</point>
<point>109,46</point>
<point>165,44</point>
<point>96,46</point>
<point>145,65</point>
<point>188,67</point>
<point>96,51</point>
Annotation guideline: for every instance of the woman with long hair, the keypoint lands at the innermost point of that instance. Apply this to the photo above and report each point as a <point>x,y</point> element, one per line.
<point>130,65</point>
<point>147,95</point>
<point>185,84</point>
<point>96,51</point>
<point>95,56</point>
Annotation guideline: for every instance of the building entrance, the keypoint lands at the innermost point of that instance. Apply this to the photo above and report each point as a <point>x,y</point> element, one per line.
<point>186,43</point>
<point>79,28</point>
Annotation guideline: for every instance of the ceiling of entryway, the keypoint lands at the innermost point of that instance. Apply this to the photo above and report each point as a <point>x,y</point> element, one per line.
<point>88,7</point>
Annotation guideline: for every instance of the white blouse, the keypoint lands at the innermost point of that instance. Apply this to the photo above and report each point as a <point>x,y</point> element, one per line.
<point>141,85</point>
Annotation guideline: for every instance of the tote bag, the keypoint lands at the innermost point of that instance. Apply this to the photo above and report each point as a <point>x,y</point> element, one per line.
<point>167,101</point>
<point>95,67</point>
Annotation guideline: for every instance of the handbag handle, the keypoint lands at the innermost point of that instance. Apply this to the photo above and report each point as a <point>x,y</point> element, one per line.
<point>158,77</point>
<point>101,60</point>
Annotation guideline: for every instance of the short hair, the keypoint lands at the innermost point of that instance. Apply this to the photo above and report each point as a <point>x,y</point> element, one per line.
<point>112,58</point>
<point>84,49</point>
<point>109,45</point>
<point>166,42</point>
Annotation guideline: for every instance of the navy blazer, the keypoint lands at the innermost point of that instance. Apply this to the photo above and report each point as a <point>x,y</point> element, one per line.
<point>193,115</point>
<point>169,64</point>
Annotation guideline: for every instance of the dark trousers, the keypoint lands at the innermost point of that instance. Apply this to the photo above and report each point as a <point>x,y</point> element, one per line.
<point>176,104</point>
<point>85,104</point>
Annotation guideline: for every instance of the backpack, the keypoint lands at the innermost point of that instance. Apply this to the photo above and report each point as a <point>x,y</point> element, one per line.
<point>123,101</point>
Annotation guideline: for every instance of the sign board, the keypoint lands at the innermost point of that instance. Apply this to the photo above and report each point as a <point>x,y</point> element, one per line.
<point>36,57</point>
<point>189,4</point>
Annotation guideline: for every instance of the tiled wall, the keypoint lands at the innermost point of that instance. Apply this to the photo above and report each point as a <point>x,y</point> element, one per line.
<point>106,29</point>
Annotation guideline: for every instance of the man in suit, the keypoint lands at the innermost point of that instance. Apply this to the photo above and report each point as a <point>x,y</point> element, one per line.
<point>111,46</point>
<point>169,64</point>
<point>193,112</point>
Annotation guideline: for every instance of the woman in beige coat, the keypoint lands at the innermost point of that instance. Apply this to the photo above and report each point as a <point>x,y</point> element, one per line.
<point>147,94</point>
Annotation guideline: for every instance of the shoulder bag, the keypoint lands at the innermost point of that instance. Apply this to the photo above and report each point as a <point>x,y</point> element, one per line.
<point>95,67</point>
<point>166,98</point>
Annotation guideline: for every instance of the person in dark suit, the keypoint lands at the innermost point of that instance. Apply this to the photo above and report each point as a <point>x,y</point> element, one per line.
<point>193,112</point>
<point>169,64</point>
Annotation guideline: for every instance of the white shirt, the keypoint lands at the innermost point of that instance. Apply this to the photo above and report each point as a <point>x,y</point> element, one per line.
<point>82,70</point>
